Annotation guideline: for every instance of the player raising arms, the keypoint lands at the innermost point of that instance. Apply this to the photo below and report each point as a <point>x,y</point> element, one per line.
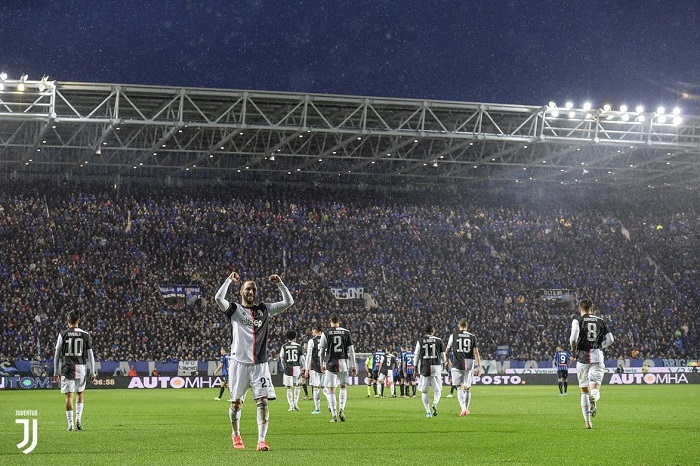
<point>464,353</point>
<point>249,368</point>
<point>589,335</point>
<point>312,368</point>
<point>337,358</point>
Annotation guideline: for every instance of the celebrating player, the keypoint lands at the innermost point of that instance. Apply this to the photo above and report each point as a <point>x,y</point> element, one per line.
<point>291,358</point>
<point>589,335</point>
<point>337,358</point>
<point>465,352</point>
<point>72,358</point>
<point>430,356</point>
<point>249,368</point>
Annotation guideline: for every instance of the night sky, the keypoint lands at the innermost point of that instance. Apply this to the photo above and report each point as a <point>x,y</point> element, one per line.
<point>519,52</point>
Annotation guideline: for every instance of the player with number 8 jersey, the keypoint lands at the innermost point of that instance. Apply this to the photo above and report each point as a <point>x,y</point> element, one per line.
<point>589,336</point>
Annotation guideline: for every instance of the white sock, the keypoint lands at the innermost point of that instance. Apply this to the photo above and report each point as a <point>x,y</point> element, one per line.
<point>297,389</point>
<point>317,399</point>
<point>467,399</point>
<point>461,397</point>
<point>330,396</point>
<point>290,398</point>
<point>595,393</point>
<point>263,419</point>
<point>78,411</point>
<point>436,397</point>
<point>393,390</point>
<point>69,416</point>
<point>342,398</point>
<point>426,401</point>
<point>235,418</point>
<point>585,407</point>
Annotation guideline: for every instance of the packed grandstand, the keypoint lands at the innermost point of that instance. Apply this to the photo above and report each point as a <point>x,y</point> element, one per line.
<point>121,256</point>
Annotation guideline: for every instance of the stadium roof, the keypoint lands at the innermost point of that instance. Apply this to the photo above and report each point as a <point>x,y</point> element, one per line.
<point>131,132</point>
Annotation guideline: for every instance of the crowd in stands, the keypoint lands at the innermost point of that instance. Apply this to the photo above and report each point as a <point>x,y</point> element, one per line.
<point>104,253</point>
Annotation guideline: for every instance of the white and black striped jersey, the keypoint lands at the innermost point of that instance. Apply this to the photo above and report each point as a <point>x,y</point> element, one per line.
<point>336,350</point>
<point>430,351</point>
<point>249,325</point>
<point>312,361</point>
<point>589,335</point>
<point>462,345</point>
<point>73,349</point>
<point>292,355</point>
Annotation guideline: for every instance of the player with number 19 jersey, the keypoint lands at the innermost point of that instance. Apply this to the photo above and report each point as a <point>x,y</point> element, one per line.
<point>462,344</point>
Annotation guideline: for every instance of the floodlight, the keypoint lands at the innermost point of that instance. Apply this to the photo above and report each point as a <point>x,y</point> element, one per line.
<point>641,118</point>
<point>607,108</point>
<point>639,109</point>
<point>625,117</point>
<point>3,76</point>
<point>555,112</point>
<point>662,119</point>
<point>569,105</point>
<point>677,111</point>
<point>22,80</point>
<point>572,114</point>
<point>587,106</point>
<point>435,164</point>
<point>660,110</point>
<point>623,108</point>
<point>272,157</point>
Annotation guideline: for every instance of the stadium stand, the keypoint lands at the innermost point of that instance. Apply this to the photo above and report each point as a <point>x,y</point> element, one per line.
<point>105,253</point>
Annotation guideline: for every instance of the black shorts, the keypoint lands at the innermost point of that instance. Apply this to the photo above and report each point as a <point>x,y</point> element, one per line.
<point>562,374</point>
<point>375,375</point>
<point>409,378</point>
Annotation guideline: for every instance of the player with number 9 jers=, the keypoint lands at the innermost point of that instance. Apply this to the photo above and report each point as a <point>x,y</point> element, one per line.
<point>337,358</point>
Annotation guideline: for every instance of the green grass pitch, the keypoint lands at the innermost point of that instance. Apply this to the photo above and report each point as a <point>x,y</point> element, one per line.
<point>654,424</point>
